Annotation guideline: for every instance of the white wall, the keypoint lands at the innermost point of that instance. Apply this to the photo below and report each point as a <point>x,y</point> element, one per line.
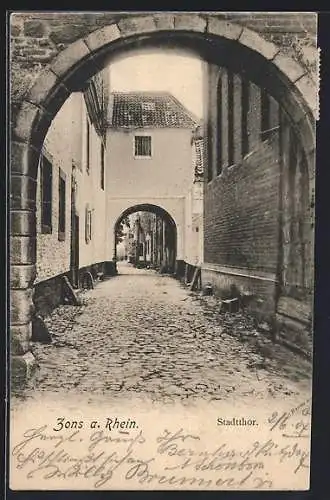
<point>65,146</point>
<point>90,192</point>
<point>163,180</point>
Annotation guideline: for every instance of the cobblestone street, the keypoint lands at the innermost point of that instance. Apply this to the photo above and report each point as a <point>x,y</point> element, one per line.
<point>145,333</point>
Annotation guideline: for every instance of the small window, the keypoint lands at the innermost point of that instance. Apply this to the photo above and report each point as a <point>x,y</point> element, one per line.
<point>102,165</point>
<point>61,206</point>
<point>142,146</point>
<point>46,181</point>
<point>88,224</point>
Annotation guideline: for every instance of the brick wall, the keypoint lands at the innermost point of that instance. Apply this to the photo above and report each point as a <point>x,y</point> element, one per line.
<point>241,213</point>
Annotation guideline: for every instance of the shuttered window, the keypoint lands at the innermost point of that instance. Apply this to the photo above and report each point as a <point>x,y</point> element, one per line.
<point>61,205</point>
<point>88,224</point>
<point>46,181</point>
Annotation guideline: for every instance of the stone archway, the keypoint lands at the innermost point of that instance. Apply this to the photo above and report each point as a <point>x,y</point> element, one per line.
<point>171,227</point>
<point>32,111</point>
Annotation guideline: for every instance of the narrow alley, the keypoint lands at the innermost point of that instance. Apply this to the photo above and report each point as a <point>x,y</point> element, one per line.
<point>144,333</point>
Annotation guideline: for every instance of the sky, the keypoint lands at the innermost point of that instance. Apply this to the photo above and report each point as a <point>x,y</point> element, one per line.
<point>174,72</point>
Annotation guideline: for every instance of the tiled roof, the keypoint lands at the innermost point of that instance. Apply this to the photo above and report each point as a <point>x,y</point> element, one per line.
<point>149,109</point>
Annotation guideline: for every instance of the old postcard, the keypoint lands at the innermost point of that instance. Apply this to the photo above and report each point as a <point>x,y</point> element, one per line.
<point>161,252</point>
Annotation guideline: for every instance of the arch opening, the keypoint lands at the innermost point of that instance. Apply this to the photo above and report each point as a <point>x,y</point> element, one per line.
<point>146,237</point>
<point>32,116</point>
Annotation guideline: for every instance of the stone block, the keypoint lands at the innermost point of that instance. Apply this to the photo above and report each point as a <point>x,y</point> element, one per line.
<point>309,92</point>
<point>21,307</point>
<point>102,37</point>
<point>23,223</point>
<point>253,41</point>
<point>69,57</point>
<point>15,30</point>
<point>67,33</point>
<point>34,28</point>
<point>22,250</point>
<point>307,132</point>
<point>292,69</point>
<point>22,277</point>
<point>21,369</point>
<point>23,192</point>
<point>31,124</point>
<point>223,28</point>
<point>164,21</point>
<point>20,337</point>
<point>24,159</point>
<point>190,22</point>
<point>136,25</point>
<point>43,86</point>
<point>292,102</point>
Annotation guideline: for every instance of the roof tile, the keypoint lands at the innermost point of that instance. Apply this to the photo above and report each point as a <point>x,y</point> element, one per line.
<point>149,110</point>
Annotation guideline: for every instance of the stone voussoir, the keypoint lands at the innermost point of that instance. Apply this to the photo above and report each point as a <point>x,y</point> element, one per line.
<point>309,90</point>
<point>223,28</point>
<point>137,25</point>
<point>69,57</point>
<point>254,41</point>
<point>292,69</point>
<point>191,22</point>
<point>42,87</point>
<point>31,124</point>
<point>102,37</point>
<point>308,133</point>
<point>164,21</point>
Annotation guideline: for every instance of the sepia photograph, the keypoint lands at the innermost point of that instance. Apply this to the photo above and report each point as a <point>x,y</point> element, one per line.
<point>162,192</point>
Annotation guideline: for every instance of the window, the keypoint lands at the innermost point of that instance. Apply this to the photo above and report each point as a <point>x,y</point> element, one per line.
<point>245,111</point>
<point>46,182</point>
<point>61,206</point>
<point>88,133</point>
<point>142,146</point>
<point>230,118</point>
<point>102,165</point>
<point>88,224</point>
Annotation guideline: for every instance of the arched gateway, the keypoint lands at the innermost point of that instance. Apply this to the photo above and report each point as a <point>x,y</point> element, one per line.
<point>67,65</point>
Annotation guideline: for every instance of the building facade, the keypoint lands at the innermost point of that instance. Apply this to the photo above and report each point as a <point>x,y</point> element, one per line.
<point>71,198</point>
<point>150,140</point>
<point>258,202</point>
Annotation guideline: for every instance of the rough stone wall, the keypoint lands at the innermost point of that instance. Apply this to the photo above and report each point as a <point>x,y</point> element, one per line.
<point>37,37</point>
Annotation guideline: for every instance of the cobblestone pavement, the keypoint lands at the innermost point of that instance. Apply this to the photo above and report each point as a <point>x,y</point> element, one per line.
<point>145,333</point>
